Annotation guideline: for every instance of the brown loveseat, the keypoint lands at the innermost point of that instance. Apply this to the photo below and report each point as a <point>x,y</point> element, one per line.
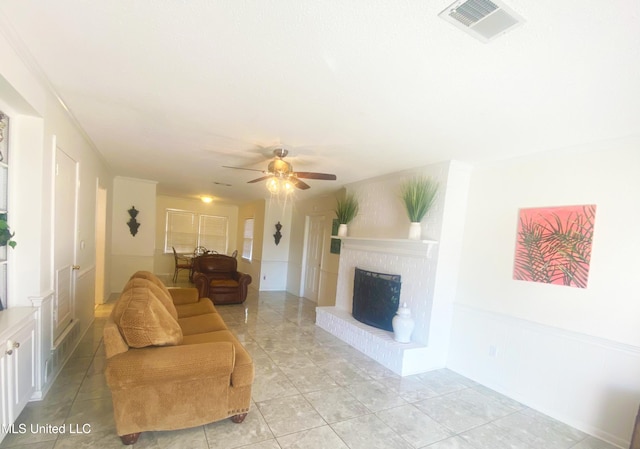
<point>216,277</point>
<point>171,361</point>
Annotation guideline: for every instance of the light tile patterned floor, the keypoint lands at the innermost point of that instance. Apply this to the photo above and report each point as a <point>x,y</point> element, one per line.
<point>311,391</point>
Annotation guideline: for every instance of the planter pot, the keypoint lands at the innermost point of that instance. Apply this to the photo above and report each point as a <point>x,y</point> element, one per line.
<point>342,230</point>
<point>402,324</point>
<point>415,231</point>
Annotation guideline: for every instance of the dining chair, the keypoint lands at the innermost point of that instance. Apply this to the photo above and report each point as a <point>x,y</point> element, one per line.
<point>181,263</point>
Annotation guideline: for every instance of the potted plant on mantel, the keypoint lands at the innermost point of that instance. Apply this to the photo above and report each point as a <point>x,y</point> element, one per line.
<point>346,210</point>
<point>418,195</point>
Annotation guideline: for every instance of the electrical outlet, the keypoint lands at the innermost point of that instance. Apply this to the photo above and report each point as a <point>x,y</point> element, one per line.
<point>493,351</point>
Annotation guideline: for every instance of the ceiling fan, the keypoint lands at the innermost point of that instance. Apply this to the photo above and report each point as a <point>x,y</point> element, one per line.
<point>279,173</point>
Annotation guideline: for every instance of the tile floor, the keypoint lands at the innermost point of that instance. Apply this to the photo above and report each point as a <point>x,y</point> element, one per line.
<point>311,391</point>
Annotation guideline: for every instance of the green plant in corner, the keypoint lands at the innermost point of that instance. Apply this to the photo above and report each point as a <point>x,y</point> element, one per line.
<point>6,236</point>
<point>418,195</point>
<point>346,209</point>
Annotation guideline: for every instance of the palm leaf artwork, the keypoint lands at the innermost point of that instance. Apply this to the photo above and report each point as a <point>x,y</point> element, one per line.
<point>554,245</point>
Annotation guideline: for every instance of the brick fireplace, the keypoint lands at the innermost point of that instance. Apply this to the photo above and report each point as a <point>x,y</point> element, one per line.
<point>416,262</point>
<point>428,268</point>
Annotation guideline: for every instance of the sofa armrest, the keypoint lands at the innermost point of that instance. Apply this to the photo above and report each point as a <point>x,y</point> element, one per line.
<point>244,279</point>
<point>187,295</point>
<point>166,364</point>
<point>201,281</point>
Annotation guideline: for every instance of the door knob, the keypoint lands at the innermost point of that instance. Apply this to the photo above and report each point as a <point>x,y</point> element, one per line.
<point>14,345</point>
<point>75,267</point>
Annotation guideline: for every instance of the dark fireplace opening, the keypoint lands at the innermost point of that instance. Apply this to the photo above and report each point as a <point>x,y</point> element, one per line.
<point>376,297</point>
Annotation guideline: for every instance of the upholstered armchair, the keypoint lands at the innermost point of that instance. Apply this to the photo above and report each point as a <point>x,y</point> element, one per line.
<point>216,276</point>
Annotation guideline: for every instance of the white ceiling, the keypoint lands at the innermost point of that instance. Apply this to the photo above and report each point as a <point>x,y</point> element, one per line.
<point>172,90</point>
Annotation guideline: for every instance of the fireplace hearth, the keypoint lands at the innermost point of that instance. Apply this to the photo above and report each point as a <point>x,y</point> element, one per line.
<point>376,297</point>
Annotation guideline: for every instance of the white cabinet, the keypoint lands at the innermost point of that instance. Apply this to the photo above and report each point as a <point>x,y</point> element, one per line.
<point>17,362</point>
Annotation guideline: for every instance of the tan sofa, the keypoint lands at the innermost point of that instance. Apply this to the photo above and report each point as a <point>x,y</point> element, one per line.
<point>171,361</point>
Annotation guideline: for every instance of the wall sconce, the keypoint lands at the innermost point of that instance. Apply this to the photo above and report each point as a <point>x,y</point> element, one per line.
<point>132,223</point>
<point>277,236</point>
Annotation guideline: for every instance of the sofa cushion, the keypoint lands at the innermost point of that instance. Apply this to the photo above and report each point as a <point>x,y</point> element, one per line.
<point>153,278</point>
<point>201,307</point>
<point>162,294</point>
<point>170,365</point>
<point>143,320</point>
<point>224,283</point>
<point>199,324</point>
<point>184,295</point>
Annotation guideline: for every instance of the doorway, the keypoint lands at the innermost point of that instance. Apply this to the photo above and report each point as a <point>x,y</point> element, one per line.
<point>313,257</point>
<point>64,252</point>
<point>101,237</point>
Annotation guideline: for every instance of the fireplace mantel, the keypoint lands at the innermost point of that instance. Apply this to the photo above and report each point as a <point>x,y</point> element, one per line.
<point>406,247</point>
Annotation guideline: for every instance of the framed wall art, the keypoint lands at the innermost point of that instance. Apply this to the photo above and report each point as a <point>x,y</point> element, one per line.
<point>553,245</point>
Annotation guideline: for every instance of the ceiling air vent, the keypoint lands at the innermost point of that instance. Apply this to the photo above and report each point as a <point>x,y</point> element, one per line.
<point>483,19</point>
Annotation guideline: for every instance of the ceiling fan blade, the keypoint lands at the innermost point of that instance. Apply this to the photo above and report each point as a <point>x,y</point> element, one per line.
<point>299,184</point>
<point>312,175</point>
<point>242,168</point>
<point>259,179</point>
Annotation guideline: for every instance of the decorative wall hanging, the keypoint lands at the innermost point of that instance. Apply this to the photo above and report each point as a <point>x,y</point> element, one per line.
<point>554,245</point>
<point>277,236</point>
<point>132,223</point>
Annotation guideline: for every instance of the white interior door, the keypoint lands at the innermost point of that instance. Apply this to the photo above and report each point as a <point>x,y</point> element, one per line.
<point>313,262</point>
<point>66,186</point>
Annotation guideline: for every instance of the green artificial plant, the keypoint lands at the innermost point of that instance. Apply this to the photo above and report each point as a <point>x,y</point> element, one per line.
<point>346,209</point>
<point>418,195</point>
<point>6,236</point>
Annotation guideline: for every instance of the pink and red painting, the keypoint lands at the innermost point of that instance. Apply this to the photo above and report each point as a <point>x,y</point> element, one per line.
<point>554,245</point>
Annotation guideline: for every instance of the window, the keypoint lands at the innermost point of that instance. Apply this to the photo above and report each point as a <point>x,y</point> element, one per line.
<point>180,231</point>
<point>247,242</point>
<point>186,230</point>
<point>212,233</point>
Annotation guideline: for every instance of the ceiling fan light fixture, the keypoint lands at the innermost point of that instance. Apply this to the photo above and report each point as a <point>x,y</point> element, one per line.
<point>288,186</point>
<point>281,177</point>
<point>278,184</point>
<point>273,185</point>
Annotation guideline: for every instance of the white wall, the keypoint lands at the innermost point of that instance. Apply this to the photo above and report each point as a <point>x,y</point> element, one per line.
<point>275,258</point>
<point>39,123</point>
<point>132,253</point>
<point>571,353</point>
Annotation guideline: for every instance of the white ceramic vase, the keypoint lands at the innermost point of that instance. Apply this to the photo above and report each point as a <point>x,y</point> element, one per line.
<point>402,324</point>
<point>415,231</point>
<point>342,230</point>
